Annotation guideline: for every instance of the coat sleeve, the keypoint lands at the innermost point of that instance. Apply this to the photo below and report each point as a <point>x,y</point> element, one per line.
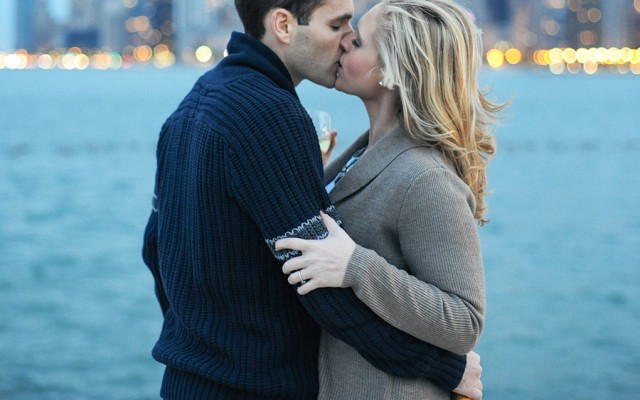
<point>441,300</point>
<point>277,178</point>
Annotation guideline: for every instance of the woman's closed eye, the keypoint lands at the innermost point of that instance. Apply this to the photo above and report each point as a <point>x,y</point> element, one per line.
<point>356,42</point>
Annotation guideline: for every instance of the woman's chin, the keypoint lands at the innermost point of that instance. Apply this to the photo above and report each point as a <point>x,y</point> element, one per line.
<point>341,87</point>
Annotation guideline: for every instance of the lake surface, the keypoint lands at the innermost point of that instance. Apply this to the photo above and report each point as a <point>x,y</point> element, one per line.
<point>78,316</point>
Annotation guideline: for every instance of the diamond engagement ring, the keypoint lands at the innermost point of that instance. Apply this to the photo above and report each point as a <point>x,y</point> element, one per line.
<point>302,281</point>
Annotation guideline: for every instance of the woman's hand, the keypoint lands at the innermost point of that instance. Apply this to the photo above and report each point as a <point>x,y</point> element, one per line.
<point>323,263</point>
<point>327,156</point>
<point>470,386</point>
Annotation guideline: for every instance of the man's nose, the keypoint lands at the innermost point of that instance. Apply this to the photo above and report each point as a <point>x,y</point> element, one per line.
<point>346,38</point>
<point>350,28</point>
<point>345,43</point>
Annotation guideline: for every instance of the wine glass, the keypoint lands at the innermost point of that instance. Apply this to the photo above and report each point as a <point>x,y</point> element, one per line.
<point>322,123</point>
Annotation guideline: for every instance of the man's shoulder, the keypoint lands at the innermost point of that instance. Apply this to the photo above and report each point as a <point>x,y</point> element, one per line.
<point>237,106</point>
<point>257,89</point>
<point>240,96</point>
<point>246,83</point>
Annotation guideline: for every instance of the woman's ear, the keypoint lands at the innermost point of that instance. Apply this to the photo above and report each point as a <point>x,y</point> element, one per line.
<point>282,24</point>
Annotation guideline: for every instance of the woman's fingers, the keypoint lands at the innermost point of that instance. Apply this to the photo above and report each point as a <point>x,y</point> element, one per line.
<point>307,287</point>
<point>329,222</point>
<point>297,277</point>
<point>302,277</point>
<point>291,243</point>
<point>293,264</point>
<point>310,282</point>
<point>303,245</point>
<point>323,262</point>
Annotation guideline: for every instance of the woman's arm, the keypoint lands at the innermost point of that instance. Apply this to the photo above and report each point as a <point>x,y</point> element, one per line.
<point>442,298</point>
<point>442,301</point>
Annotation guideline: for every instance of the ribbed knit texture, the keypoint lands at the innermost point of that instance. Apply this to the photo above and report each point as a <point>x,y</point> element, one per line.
<point>425,276</point>
<point>239,167</point>
<point>435,288</point>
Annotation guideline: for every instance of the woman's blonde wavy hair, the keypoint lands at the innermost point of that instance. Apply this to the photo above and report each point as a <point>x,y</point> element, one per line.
<point>431,51</point>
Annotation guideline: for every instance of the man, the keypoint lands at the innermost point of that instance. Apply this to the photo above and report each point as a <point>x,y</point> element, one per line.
<point>239,168</point>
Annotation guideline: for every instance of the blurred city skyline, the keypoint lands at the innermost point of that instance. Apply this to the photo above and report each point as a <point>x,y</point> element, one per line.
<point>193,31</point>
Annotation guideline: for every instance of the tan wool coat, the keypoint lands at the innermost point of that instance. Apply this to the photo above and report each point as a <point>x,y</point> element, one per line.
<point>417,264</point>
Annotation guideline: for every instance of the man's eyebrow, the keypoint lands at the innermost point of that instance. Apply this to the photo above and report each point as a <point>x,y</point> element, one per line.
<point>343,17</point>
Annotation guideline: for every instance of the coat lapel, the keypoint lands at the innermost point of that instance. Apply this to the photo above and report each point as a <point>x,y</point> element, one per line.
<point>335,166</point>
<point>370,165</point>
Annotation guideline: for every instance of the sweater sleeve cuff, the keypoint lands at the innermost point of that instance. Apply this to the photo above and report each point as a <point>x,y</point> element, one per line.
<point>448,369</point>
<point>356,269</point>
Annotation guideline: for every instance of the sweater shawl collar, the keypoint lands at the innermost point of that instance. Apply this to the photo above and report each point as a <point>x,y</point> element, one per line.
<point>370,165</point>
<point>248,52</point>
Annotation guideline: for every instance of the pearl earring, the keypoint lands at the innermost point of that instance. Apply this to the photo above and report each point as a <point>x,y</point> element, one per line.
<point>380,84</point>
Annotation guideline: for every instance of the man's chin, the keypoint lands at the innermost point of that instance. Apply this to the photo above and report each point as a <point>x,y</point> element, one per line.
<point>328,81</point>
<point>337,85</point>
<point>329,84</point>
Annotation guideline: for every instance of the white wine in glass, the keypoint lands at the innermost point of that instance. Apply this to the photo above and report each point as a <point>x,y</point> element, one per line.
<point>322,123</point>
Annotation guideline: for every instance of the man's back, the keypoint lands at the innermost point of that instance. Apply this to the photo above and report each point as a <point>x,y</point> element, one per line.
<point>231,316</point>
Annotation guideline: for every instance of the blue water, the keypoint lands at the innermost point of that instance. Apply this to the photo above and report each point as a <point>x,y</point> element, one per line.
<point>78,316</point>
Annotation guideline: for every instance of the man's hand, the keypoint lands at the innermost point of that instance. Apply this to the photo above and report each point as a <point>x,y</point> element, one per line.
<point>470,386</point>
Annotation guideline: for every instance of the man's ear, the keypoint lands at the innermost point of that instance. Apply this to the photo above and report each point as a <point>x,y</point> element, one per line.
<point>283,24</point>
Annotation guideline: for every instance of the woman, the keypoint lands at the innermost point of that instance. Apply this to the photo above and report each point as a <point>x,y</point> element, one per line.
<point>409,191</point>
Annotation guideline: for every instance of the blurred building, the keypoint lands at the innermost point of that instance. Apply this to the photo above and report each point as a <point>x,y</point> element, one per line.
<point>635,27</point>
<point>528,25</point>
<point>185,25</point>
<point>621,23</point>
<point>112,25</point>
<point>25,31</point>
<point>204,23</point>
<point>82,30</point>
<point>137,23</point>
<point>35,29</point>
<point>160,14</point>
<point>210,23</point>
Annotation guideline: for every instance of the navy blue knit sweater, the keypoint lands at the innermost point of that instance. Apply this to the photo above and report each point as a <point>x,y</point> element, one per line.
<point>238,167</point>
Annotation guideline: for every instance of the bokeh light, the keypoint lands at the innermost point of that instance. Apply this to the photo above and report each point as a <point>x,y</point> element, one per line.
<point>130,3</point>
<point>590,67</point>
<point>204,54</point>
<point>163,57</point>
<point>143,54</point>
<point>45,61</point>
<point>513,56</point>
<point>495,58</point>
<point>561,60</point>
<point>557,60</point>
